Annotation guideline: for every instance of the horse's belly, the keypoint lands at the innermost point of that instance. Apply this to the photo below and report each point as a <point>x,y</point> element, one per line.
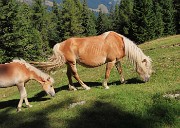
<point>5,84</point>
<point>92,62</point>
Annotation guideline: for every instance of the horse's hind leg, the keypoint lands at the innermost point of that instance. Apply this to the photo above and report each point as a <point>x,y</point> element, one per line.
<point>119,68</point>
<point>76,76</point>
<point>109,66</point>
<point>23,95</point>
<point>69,75</point>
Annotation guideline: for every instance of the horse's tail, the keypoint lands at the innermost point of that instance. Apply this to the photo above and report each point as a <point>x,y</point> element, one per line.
<point>55,61</point>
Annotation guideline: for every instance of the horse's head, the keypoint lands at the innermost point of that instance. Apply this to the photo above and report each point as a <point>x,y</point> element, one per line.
<point>48,86</point>
<point>144,69</point>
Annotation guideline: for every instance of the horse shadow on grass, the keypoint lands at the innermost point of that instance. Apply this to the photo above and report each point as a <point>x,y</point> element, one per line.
<point>128,81</point>
<point>97,84</point>
<point>14,102</point>
<point>66,87</point>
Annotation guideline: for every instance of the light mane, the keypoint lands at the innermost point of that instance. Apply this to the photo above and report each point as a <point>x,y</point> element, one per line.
<point>32,68</point>
<point>134,54</point>
<point>105,34</point>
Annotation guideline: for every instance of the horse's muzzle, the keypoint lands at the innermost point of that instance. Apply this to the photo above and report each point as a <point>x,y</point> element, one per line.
<point>51,94</point>
<point>146,79</point>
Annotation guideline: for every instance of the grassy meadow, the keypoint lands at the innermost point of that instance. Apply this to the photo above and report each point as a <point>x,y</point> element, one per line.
<point>131,105</point>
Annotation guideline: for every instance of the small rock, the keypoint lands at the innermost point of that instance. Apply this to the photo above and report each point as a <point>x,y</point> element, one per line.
<point>77,103</point>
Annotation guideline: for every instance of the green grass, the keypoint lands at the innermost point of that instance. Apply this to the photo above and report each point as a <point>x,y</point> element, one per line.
<point>131,105</point>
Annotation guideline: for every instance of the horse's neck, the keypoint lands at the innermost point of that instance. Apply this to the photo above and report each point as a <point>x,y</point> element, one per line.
<point>36,77</point>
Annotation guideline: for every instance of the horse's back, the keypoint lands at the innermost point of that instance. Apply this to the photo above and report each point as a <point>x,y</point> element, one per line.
<point>93,51</point>
<point>11,73</point>
<point>6,69</point>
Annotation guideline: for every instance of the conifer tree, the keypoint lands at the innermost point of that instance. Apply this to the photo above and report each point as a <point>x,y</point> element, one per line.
<point>71,23</point>
<point>100,23</point>
<point>103,23</point>
<point>158,23</point>
<point>56,19</point>
<point>114,16</point>
<point>88,21</point>
<point>92,24</point>
<point>125,17</point>
<point>143,21</point>
<point>177,15</point>
<point>41,21</point>
<point>17,37</point>
<point>167,11</point>
<point>8,12</point>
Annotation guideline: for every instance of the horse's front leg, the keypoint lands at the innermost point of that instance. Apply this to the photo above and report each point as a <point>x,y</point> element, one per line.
<point>119,68</point>
<point>109,67</point>
<point>73,68</point>
<point>23,96</point>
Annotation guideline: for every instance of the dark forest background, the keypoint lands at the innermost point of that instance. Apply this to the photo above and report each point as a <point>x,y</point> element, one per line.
<point>30,31</point>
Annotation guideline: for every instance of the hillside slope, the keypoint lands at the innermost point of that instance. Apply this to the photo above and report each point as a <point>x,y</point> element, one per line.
<point>131,105</point>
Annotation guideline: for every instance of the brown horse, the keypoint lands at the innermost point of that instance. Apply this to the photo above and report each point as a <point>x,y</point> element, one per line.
<point>94,51</point>
<point>18,73</point>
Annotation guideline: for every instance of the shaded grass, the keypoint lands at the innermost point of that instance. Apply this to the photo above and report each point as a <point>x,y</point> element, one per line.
<point>131,105</point>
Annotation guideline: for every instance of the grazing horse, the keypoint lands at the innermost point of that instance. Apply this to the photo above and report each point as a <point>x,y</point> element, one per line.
<point>18,72</point>
<point>95,51</point>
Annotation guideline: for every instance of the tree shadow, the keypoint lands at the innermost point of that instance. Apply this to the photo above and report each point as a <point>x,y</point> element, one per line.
<point>99,114</point>
<point>164,110</point>
<point>37,119</point>
<point>106,115</point>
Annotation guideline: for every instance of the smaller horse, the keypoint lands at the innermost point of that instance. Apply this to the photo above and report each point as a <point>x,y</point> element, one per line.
<point>18,72</point>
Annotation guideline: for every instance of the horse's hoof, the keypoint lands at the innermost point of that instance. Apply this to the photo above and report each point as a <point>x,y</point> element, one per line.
<point>72,89</point>
<point>123,82</point>
<point>106,87</point>
<point>29,106</point>
<point>18,109</point>
<point>88,88</point>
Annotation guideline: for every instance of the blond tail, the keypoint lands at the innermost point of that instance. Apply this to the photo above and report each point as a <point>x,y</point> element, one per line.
<point>57,59</point>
